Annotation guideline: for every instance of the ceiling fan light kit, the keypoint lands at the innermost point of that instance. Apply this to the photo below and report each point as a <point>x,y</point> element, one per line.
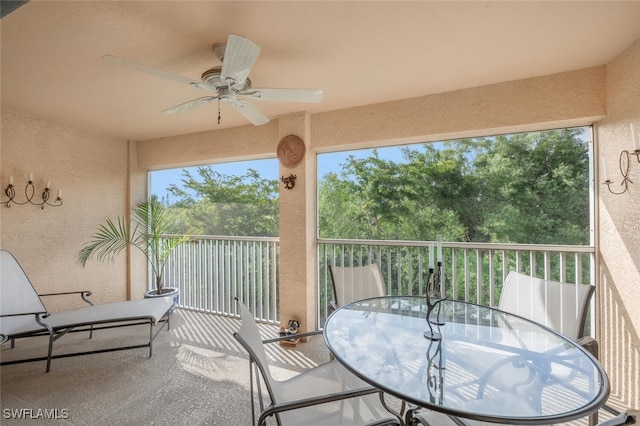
<point>229,81</point>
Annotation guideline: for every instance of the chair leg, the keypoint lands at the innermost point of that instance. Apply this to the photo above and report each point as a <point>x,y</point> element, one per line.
<point>253,403</point>
<point>51,339</point>
<point>151,339</point>
<point>627,418</point>
<point>50,353</point>
<point>409,418</point>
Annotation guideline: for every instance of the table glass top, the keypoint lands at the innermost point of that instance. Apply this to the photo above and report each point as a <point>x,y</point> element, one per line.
<point>487,365</point>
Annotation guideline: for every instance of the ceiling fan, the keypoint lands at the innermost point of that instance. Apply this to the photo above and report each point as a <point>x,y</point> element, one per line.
<point>229,81</point>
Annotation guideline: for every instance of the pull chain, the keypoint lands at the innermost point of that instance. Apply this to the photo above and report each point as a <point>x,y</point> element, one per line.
<point>218,110</point>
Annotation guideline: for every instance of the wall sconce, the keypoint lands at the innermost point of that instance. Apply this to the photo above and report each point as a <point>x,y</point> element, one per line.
<point>29,192</point>
<point>623,163</point>
<point>289,182</point>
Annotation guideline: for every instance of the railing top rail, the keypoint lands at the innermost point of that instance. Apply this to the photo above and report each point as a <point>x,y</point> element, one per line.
<point>470,245</point>
<point>231,238</point>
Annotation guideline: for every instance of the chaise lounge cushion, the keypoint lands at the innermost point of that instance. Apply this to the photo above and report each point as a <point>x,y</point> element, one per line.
<point>130,310</point>
<point>22,314</point>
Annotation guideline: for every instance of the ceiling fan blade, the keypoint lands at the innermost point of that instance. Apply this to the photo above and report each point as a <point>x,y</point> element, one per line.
<point>284,95</point>
<point>189,105</point>
<point>251,113</point>
<point>154,71</point>
<point>239,56</point>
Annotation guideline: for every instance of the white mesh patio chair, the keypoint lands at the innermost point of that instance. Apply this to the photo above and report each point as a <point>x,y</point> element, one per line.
<point>327,394</point>
<point>351,283</point>
<point>24,315</point>
<point>559,306</point>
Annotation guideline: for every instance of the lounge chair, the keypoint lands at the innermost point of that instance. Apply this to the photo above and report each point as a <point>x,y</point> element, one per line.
<point>22,314</point>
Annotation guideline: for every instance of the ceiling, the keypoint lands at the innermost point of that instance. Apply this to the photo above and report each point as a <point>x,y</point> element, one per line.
<point>357,52</point>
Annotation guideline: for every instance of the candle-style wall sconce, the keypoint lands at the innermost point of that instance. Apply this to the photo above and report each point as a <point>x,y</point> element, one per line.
<point>289,182</point>
<point>623,164</point>
<point>29,193</point>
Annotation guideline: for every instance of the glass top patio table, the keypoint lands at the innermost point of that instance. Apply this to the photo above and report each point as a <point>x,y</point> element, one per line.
<point>488,365</point>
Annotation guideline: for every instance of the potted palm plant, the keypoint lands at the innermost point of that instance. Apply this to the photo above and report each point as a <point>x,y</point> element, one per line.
<point>146,232</point>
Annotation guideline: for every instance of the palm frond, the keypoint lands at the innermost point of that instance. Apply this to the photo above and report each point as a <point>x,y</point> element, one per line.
<point>149,224</point>
<point>109,240</point>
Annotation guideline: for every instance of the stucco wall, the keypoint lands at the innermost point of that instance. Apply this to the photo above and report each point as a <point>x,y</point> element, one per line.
<point>91,170</point>
<point>571,98</point>
<point>225,145</point>
<point>619,233</point>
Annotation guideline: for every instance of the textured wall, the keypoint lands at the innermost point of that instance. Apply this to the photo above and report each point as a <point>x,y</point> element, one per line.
<point>225,145</point>
<point>565,99</point>
<point>298,300</point>
<point>92,173</point>
<point>619,233</point>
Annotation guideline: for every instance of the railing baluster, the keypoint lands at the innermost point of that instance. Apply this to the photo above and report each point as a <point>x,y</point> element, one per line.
<point>454,274</point>
<point>467,277</point>
<point>478,277</point>
<point>210,270</point>
<point>492,276</point>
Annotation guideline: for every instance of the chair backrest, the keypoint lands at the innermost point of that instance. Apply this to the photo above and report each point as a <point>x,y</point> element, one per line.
<point>249,338</point>
<point>560,306</point>
<point>351,283</point>
<point>18,294</point>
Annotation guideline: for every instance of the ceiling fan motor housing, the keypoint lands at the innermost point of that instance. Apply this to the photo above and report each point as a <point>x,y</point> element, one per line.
<point>212,78</point>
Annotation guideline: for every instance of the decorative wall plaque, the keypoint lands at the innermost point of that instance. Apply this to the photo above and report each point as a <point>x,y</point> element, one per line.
<point>290,150</point>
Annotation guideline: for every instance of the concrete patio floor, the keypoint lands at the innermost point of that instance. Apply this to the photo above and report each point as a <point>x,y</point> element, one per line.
<point>198,375</point>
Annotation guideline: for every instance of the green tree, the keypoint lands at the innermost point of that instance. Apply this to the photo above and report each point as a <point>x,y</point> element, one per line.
<point>522,188</point>
<point>537,185</point>
<point>218,204</point>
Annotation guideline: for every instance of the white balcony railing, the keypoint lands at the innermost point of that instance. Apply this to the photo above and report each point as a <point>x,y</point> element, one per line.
<point>211,270</point>
<point>474,272</point>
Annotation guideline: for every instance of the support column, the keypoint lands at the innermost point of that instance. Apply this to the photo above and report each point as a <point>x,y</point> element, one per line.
<point>137,186</point>
<point>298,256</point>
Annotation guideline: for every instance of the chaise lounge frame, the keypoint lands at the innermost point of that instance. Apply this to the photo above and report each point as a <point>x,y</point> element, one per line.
<point>23,314</point>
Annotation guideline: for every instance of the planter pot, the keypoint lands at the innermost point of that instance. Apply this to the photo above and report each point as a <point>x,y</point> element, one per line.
<point>174,293</point>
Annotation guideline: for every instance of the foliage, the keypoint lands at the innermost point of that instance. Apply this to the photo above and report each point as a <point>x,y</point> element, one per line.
<point>146,232</point>
<point>217,204</point>
<point>524,188</point>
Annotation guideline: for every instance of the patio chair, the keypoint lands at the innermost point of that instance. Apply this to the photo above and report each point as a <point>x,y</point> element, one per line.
<point>560,306</point>
<point>629,417</point>
<point>327,394</point>
<point>351,283</point>
<point>23,314</point>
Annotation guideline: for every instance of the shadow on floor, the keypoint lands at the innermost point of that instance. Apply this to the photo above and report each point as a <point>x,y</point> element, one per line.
<point>198,375</point>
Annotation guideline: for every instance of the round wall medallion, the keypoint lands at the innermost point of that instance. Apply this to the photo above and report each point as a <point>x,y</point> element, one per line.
<point>290,150</point>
